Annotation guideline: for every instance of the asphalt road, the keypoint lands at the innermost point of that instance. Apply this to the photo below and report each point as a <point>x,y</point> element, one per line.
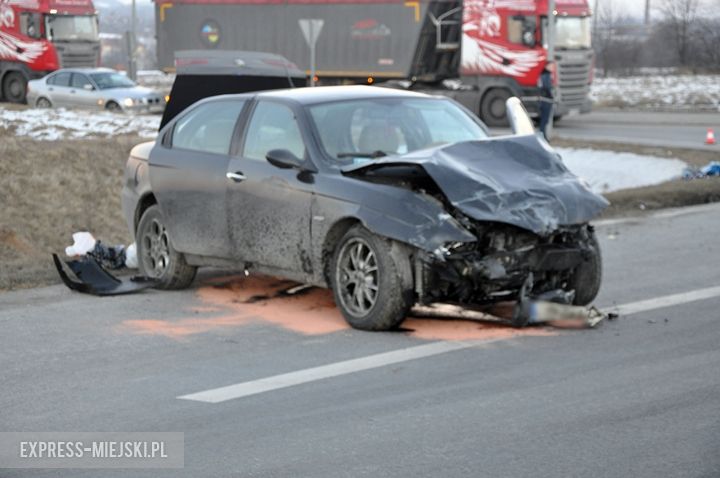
<point>638,397</point>
<point>663,129</point>
<point>678,130</point>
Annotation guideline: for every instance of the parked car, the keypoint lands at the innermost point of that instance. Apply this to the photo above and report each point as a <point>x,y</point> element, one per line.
<point>95,88</point>
<point>388,197</point>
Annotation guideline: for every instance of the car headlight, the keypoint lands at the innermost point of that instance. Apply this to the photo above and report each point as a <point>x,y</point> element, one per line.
<point>128,102</point>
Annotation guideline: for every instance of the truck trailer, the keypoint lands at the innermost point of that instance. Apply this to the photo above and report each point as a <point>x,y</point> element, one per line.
<point>40,36</point>
<point>479,52</point>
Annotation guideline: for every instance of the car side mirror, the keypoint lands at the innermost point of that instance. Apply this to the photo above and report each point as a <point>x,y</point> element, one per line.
<point>518,117</point>
<point>87,87</point>
<point>283,159</point>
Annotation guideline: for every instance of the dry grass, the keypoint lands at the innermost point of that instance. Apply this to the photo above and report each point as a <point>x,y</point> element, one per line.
<point>48,190</point>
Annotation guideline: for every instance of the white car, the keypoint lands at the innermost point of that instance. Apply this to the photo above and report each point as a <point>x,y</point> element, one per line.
<point>96,88</point>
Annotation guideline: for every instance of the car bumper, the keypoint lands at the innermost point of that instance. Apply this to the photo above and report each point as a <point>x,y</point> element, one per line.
<point>145,109</point>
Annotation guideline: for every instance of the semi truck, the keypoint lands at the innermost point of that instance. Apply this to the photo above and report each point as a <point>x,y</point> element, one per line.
<point>40,36</point>
<point>479,52</point>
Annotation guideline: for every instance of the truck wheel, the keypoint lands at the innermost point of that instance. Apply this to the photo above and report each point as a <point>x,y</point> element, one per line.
<point>43,102</point>
<point>492,107</point>
<point>368,283</point>
<point>588,275</point>
<point>14,87</point>
<point>156,256</point>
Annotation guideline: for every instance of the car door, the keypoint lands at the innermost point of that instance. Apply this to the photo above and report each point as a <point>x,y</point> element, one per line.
<point>82,91</point>
<point>59,88</point>
<point>269,207</point>
<point>187,174</point>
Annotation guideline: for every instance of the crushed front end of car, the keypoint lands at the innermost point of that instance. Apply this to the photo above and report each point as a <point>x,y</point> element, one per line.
<point>528,214</point>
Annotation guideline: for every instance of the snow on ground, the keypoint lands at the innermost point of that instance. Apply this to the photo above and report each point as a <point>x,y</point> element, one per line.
<point>608,171</point>
<point>50,125</point>
<point>658,91</point>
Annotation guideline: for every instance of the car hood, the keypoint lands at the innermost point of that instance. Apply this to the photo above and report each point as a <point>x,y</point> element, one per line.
<point>516,180</point>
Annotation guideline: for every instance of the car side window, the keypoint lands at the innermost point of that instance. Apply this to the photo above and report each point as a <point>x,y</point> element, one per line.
<point>60,79</point>
<point>208,128</point>
<point>272,126</point>
<point>79,81</point>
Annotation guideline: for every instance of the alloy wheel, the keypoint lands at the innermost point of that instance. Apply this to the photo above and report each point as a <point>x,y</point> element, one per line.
<point>357,277</point>
<point>156,249</point>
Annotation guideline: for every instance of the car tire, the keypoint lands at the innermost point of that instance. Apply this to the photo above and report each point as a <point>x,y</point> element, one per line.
<point>366,260</point>
<point>113,107</point>
<point>14,87</point>
<point>492,108</point>
<point>43,102</point>
<point>587,277</point>
<point>157,258</point>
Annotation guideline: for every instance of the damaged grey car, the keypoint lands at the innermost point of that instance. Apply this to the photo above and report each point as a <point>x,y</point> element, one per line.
<point>390,198</point>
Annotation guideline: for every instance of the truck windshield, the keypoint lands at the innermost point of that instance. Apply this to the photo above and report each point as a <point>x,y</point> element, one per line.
<point>359,130</point>
<point>106,81</point>
<point>72,27</point>
<point>572,33</point>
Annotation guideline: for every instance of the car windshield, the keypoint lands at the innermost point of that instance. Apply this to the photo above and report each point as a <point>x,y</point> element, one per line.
<point>106,81</point>
<point>572,33</point>
<point>72,27</point>
<point>360,130</point>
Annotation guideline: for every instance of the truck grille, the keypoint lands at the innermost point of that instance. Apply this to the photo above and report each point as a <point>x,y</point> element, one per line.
<point>78,59</point>
<point>574,74</point>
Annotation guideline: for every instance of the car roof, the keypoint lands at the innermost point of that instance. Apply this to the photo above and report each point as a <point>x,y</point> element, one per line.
<point>87,70</point>
<point>322,94</point>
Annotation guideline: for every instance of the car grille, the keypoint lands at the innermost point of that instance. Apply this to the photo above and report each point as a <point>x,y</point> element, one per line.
<point>573,78</point>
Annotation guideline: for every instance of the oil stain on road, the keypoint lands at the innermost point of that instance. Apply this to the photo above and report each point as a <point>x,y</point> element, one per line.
<point>239,301</point>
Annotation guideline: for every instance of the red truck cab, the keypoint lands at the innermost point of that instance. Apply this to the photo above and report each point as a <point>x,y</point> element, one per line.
<point>508,39</point>
<point>41,36</point>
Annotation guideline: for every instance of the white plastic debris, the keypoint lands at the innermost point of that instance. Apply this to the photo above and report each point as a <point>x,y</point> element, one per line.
<point>131,261</point>
<point>83,242</point>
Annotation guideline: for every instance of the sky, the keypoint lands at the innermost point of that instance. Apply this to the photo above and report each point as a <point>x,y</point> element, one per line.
<point>635,8</point>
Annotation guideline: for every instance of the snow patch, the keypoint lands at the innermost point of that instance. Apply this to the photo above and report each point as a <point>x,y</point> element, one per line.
<point>657,91</point>
<point>56,124</point>
<point>608,171</point>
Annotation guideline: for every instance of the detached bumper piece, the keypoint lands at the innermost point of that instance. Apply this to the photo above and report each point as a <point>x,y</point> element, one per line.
<point>93,279</point>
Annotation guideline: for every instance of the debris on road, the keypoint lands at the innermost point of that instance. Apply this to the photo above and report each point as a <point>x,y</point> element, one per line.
<point>93,279</point>
<point>92,259</point>
<point>709,170</point>
<point>112,257</point>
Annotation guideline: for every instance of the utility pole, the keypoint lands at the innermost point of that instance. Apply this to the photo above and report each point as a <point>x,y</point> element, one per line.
<point>595,14</point>
<point>132,43</point>
<point>551,55</point>
<point>647,13</point>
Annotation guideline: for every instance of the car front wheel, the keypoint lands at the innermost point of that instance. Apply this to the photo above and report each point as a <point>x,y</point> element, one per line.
<point>371,280</point>
<point>156,256</point>
<point>587,277</point>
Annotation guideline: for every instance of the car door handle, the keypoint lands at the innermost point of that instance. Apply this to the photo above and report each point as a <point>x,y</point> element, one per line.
<point>237,177</point>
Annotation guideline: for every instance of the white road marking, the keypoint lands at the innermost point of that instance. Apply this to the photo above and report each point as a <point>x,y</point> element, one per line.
<point>276,382</point>
<point>665,301</point>
<point>662,214</point>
